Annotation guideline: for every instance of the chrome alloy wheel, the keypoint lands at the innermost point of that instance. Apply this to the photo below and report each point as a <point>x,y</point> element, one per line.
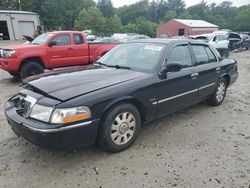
<point>221,91</point>
<point>123,128</point>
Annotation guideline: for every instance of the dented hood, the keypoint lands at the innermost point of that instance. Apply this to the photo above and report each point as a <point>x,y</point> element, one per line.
<point>68,85</point>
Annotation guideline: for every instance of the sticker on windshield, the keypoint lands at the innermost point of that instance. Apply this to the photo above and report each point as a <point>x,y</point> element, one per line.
<point>152,47</point>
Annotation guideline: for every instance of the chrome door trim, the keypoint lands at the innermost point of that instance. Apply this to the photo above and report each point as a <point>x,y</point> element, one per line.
<point>183,94</point>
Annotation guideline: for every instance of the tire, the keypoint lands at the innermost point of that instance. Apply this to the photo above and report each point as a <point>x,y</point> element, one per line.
<point>14,74</point>
<point>30,69</point>
<point>120,128</point>
<point>219,95</point>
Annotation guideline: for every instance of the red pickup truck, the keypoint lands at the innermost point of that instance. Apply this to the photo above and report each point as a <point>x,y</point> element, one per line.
<point>48,51</point>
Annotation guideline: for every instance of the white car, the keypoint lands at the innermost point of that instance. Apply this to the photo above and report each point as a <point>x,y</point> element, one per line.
<point>1,36</point>
<point>217,40</point>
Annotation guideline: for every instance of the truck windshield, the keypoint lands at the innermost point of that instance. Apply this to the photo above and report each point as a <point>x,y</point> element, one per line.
<point>42,39</point>
<point>142,57</point>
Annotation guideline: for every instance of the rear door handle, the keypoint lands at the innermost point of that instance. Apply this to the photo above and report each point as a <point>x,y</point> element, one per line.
<point>194,76</point>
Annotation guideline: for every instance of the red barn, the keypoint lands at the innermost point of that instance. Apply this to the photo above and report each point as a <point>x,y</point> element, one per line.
<point>180,27</point>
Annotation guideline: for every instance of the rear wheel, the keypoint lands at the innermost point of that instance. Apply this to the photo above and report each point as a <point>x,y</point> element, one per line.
<point>30,69</point>
<point>120,128</point>
<point>219,95</point>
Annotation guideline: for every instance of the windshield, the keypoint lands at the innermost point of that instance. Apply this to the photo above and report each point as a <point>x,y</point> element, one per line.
<point>42,39</point>
<point>142,57</point>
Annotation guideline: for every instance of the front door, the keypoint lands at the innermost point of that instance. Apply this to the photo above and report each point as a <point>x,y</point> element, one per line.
<point>60,54</point>
<point>180,88</point>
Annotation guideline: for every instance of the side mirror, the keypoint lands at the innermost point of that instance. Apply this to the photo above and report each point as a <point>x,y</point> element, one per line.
<point>174,67</point>
<point>52,43</point>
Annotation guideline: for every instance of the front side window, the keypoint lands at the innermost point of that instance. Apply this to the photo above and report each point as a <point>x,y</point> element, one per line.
<point>62,40</point>
<point>78,39</point>
<point>142,57</point>
<point>180,55</point>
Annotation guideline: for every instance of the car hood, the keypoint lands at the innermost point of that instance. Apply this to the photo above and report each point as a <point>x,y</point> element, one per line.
<point>22,47</point>
<point>67,85</point>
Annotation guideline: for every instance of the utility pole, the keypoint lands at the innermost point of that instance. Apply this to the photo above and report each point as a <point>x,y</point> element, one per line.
<point>20,8</point>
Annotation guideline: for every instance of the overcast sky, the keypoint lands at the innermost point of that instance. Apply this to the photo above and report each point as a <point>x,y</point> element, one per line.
<point>118,3</point>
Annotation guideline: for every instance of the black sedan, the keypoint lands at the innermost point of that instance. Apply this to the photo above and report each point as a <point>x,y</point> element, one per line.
<point>108,101</point>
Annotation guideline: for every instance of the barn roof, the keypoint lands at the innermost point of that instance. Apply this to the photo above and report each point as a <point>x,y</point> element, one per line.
<point>196,23</point>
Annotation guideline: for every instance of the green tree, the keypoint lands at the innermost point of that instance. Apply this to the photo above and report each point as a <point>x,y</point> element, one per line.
<point>129,14</point>
<point>61,13</point>
<point>241,21</point>
<point>112,25</point>
<point>91,19</point>
<point>177,6</point>
<point>147,28</point>
<point>130,28</point>
<point>106,7</point>
<point>169,15</point>
<point>185,15</point>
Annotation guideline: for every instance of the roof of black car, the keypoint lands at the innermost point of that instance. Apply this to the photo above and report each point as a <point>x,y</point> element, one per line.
<point>166,41</point>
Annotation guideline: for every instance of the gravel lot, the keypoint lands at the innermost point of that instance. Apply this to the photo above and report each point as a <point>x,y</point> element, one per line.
<point>201,146</point>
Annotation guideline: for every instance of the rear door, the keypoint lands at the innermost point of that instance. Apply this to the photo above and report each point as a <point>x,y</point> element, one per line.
<point>180,88</point>
<point>80,50</point>
<point>207,67</point>
<point>60,54</point>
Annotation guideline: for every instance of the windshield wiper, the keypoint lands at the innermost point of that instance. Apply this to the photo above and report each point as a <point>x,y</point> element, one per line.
<point>35,43</point>
<point>99,63</point>
<point>119,67</point>
<point>113,66</point>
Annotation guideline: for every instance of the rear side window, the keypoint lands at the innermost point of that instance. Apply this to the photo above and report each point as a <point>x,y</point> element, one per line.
<point>62,40</point>
<point>180,55</point>
<point>78,39</point>
<point>211,56</point>
<point>200,54</point>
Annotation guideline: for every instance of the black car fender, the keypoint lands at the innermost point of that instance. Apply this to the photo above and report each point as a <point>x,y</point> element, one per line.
<point>126,99</point>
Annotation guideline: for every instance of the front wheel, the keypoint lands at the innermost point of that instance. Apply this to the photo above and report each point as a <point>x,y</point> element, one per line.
<point>219,95</point>
<point>120,128</point>
<point>30,69</point>
<point>14,74</point>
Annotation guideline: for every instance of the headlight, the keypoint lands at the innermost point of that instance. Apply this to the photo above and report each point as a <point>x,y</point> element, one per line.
<point>69,115</point>
<point>8,53</point>
<point>41,113</point>
<point>60,116</point>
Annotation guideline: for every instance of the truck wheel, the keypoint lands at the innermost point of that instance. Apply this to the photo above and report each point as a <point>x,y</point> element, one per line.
<point>30,69</point>
<point>219,95</point>
<point>14,74</point>
<point>120,128</point>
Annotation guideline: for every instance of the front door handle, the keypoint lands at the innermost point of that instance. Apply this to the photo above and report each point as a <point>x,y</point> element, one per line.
<point>194,76</point>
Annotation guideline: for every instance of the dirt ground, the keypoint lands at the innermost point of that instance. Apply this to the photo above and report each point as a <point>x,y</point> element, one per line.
<point>201,146</point>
